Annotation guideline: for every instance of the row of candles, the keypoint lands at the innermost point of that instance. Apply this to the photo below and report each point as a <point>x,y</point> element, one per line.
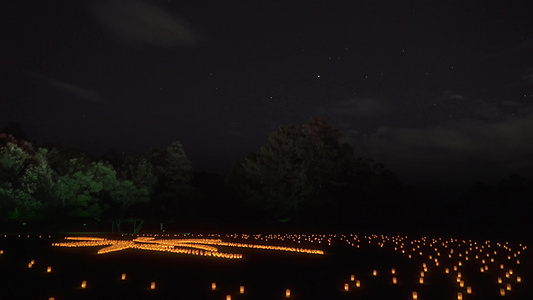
<point>200,247</point>
<point>442,253</point>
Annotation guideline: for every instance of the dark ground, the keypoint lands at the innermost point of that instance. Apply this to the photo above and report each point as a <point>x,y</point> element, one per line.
<point>265,274</point>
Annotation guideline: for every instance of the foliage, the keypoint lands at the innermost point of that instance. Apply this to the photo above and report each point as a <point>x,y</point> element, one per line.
<point>292,169</point>
<point>25,179</point>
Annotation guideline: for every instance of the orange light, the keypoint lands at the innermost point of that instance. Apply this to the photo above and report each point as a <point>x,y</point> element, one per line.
<point>518,279</point>
<point>421,280</point>
<point>469,290</point>
<point>228,297</point>
<point>352,277</point>
<point>287,293</point>
<point>508,286</point>
<point>346,287</point>
<point>415,296</point>
<point>502,292</point>
<point>241,289</point>
<point>152,285</point>
<point>213,286</point>
<point>123,277</point>
<point>358,283</point>
<point>459,296</point>
<point>375,272</point>
<point>48,269</point>
<point>84,284</point>
<point>394,281</point>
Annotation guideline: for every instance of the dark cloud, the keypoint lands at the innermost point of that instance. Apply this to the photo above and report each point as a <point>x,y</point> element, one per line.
<point>460,133</point>
<point>452,146</point>
<point>68,88</point>
<point>139,22</point>
<point>79,92</point>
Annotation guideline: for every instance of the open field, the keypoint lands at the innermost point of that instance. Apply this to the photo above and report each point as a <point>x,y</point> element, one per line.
<point>312,266</point>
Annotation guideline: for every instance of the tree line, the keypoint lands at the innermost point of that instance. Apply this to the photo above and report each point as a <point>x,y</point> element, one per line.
<point>302,177</point>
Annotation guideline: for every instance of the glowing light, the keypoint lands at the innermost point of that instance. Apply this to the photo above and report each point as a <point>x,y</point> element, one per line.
<point>394,280</point>
<point>358,283</point>
<point>123,277</point>
<point>346,287</point>
<point>152,285</point>
<point>84,284</point>
<point>469,290</point>
<point>459,296</point>
<point>241,289</point>
<point>48,269</point>
<point>287,293</point>
<point>375,272</point>
<point>415,296</point>
<point>213,286</point>
<point>200,247</point>
<point>228,297</point>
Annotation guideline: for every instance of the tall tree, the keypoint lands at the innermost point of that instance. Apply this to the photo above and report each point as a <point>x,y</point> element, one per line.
<point>25,179</point>
<point>292,169</point>
<point>173,191</point>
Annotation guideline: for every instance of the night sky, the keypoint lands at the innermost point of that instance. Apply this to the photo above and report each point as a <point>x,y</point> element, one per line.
<point>435,92</point>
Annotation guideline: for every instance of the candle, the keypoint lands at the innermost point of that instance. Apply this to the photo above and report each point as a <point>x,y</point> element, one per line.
<point>287,293</point>
<point>152,285</point>
<point>84,284</point>
<point>241,289</point>
<point>123,277</point>
<point>346,286</point>
<point>48,269</point>
<point>415,296</point>
<point>214,286</point>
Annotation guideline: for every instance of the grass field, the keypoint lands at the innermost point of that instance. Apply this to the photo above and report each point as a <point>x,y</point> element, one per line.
<point>371,261</point>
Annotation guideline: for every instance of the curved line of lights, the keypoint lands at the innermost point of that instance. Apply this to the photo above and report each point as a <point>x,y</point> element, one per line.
<point>200,247</point>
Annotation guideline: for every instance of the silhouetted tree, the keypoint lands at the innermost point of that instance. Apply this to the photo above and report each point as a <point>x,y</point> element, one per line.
<point>25,179</point>
<point>173,192</point>
<point>292,170</point>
